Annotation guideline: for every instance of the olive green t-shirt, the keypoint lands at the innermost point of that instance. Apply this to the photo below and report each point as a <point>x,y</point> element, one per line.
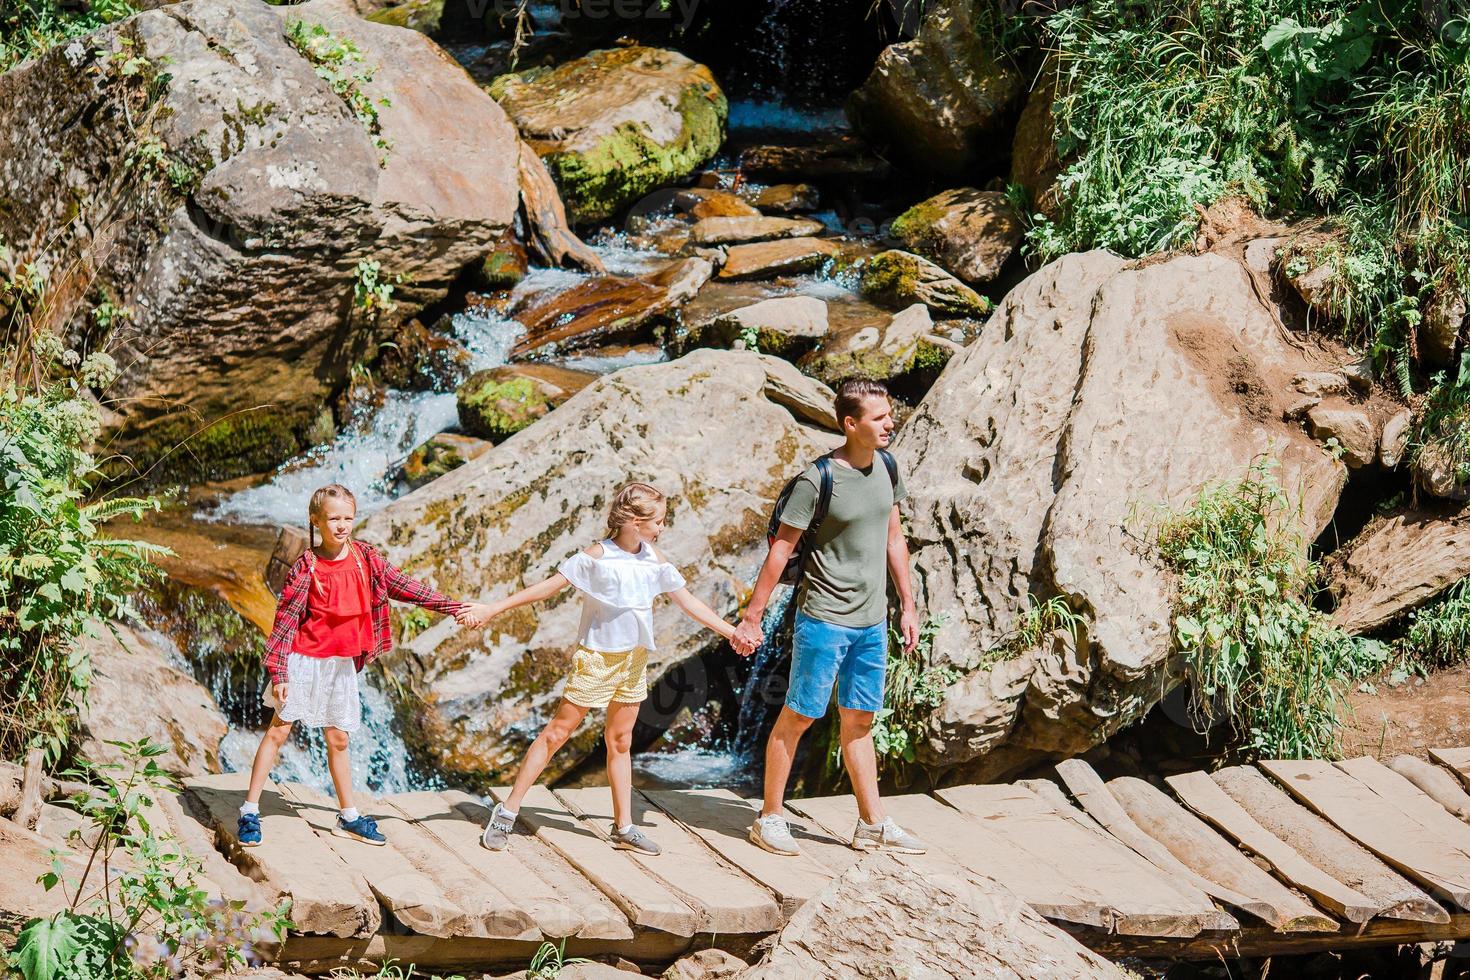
<point>846,579</point>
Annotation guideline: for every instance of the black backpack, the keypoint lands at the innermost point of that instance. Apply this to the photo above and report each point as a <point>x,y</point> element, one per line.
<point>796,565</point>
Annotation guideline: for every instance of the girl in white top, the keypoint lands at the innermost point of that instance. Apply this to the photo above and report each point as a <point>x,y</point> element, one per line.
<point>619,578</point>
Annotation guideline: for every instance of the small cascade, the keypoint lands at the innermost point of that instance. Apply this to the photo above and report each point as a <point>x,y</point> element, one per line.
<point>765,688</point>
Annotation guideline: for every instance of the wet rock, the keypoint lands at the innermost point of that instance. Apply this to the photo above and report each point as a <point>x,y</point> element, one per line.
<point>730,231</point>
<point>1395,439</point>
<point>704,202</point>
<point>503,266</point>
<point>593,311</point>
<point>970,233</point>
<point>683,279</point>
<point>1397,563</point>
<point>766,260</point>
<point>785,326</point>
<point>883,911</point>
<point>1034,162</point>
<point>497,403</point>
<point>1026,481</point>
<point>842,156</point>
<point>419,359</point>
<point>786,198</point>
<point>615,124</point>
<point>940,102</point>
<point>507,519</point>
<point>237,253</point>
<point>139,690</point>
<point>902,278</point>
<point>1351,427</point>
<point>438,455</point>
<point>1443,320</point>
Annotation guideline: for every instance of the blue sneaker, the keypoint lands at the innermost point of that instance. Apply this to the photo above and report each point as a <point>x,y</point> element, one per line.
<point>364,828</point>
<point>249,832</point>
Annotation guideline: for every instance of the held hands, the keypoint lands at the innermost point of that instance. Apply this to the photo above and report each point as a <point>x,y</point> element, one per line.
<point>475,614</point>
<point>748,637</point>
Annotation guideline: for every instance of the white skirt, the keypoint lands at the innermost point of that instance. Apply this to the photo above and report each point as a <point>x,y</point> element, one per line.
<point>321,692</point>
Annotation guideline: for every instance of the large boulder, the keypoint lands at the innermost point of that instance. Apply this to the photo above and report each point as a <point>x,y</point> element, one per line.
<point>209,228</point>
<point>1100,392</point>
<point>140,690</point>
<point>943,102</point>
<point>885,917</point>
<point>474,699</point>
<point>615,124</point>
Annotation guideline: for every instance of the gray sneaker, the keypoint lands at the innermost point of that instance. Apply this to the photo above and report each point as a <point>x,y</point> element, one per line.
<point>771,833</point>
<point>634,840</point>
<point>497,829</point>
<point>886,836</point>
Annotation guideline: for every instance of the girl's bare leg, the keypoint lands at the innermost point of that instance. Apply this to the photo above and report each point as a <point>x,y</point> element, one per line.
<point>339,763</point>
<point>560,728</point>
<point>265,756</point>
<point>619,738</point>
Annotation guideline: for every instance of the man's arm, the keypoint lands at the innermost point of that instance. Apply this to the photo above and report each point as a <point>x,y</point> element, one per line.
<point>898,570</point>
<point>748,633</point>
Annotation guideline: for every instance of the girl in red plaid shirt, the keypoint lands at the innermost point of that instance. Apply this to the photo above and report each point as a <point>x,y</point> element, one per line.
<point>331,622</point>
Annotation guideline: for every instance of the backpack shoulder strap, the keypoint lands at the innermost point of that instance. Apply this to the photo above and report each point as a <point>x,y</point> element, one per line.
<point>824,491</point>
<point>890,464</point>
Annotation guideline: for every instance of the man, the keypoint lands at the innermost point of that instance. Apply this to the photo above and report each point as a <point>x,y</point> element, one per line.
<point>841,633</point>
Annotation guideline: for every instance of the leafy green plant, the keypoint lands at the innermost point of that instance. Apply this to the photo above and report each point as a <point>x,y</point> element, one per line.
<point>550,960</point>
<point>340,64</point>
<point>59,574</point>
<point>1438,633</point>
<point>388,970</point>
<point>29,28</point>
<point>139,909</point>
<point>1257,653</point>
<point>372,293</point>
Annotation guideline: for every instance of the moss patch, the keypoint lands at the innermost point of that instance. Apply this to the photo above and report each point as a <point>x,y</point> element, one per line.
<point>495,407</point>
<point>247,442</point>
<point>626,164</point>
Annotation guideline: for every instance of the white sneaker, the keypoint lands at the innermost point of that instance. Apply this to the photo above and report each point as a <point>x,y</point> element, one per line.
<point>886,836</point>
<point>497,829</point>
<point>772,834</point>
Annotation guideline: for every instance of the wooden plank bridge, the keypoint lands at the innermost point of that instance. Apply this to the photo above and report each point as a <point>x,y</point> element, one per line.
<point>1283,857</point>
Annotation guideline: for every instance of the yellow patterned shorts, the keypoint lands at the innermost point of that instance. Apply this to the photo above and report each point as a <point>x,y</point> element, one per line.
<point>598,679</point>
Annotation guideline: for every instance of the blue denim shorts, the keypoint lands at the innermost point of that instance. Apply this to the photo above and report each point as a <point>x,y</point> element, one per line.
<point>823,653</point>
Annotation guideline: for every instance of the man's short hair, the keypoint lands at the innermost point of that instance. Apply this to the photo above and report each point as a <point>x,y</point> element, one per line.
<point>850,395</point>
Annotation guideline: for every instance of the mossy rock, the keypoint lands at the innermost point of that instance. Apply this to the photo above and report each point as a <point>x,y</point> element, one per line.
<point>437,456</point>
<point>604,124</point>
<point>900,278</point>
<point>502,268</point>
<point>252,441</point>
<point>423,16</point>
<point>497,403</point>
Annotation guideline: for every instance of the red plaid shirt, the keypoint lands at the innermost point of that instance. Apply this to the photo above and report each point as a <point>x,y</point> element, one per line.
<point>385,581</point>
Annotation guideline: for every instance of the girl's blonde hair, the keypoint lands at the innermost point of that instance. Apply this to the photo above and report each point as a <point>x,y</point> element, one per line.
<point>318,505</point>
<point>633,502</point>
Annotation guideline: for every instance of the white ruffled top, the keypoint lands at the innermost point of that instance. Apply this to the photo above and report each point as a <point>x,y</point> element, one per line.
<point>618,590</point>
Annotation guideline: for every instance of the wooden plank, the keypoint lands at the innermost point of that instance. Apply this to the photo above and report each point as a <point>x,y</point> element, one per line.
<point>221,878</point>
<point>833,852</point>
<point>1327,847</point>
<point>1379,825</point>
<point>1410,799</point>
<point>967,843</point>
<point>415,900</point>
<point>645,900</point>
<point>559,898</point>
<point>1098,801</point>
<point>725,900</point>
<point>1258,942</point>
<point>1211,856</point>
<point>1204,796</point>
<point>326,895</point>
<point>1434,782</point>
<point>489,912</point>
<point>1143,901</point>
<point>722,820</point>
<point>1455,760</point>
<point>317,955</point>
